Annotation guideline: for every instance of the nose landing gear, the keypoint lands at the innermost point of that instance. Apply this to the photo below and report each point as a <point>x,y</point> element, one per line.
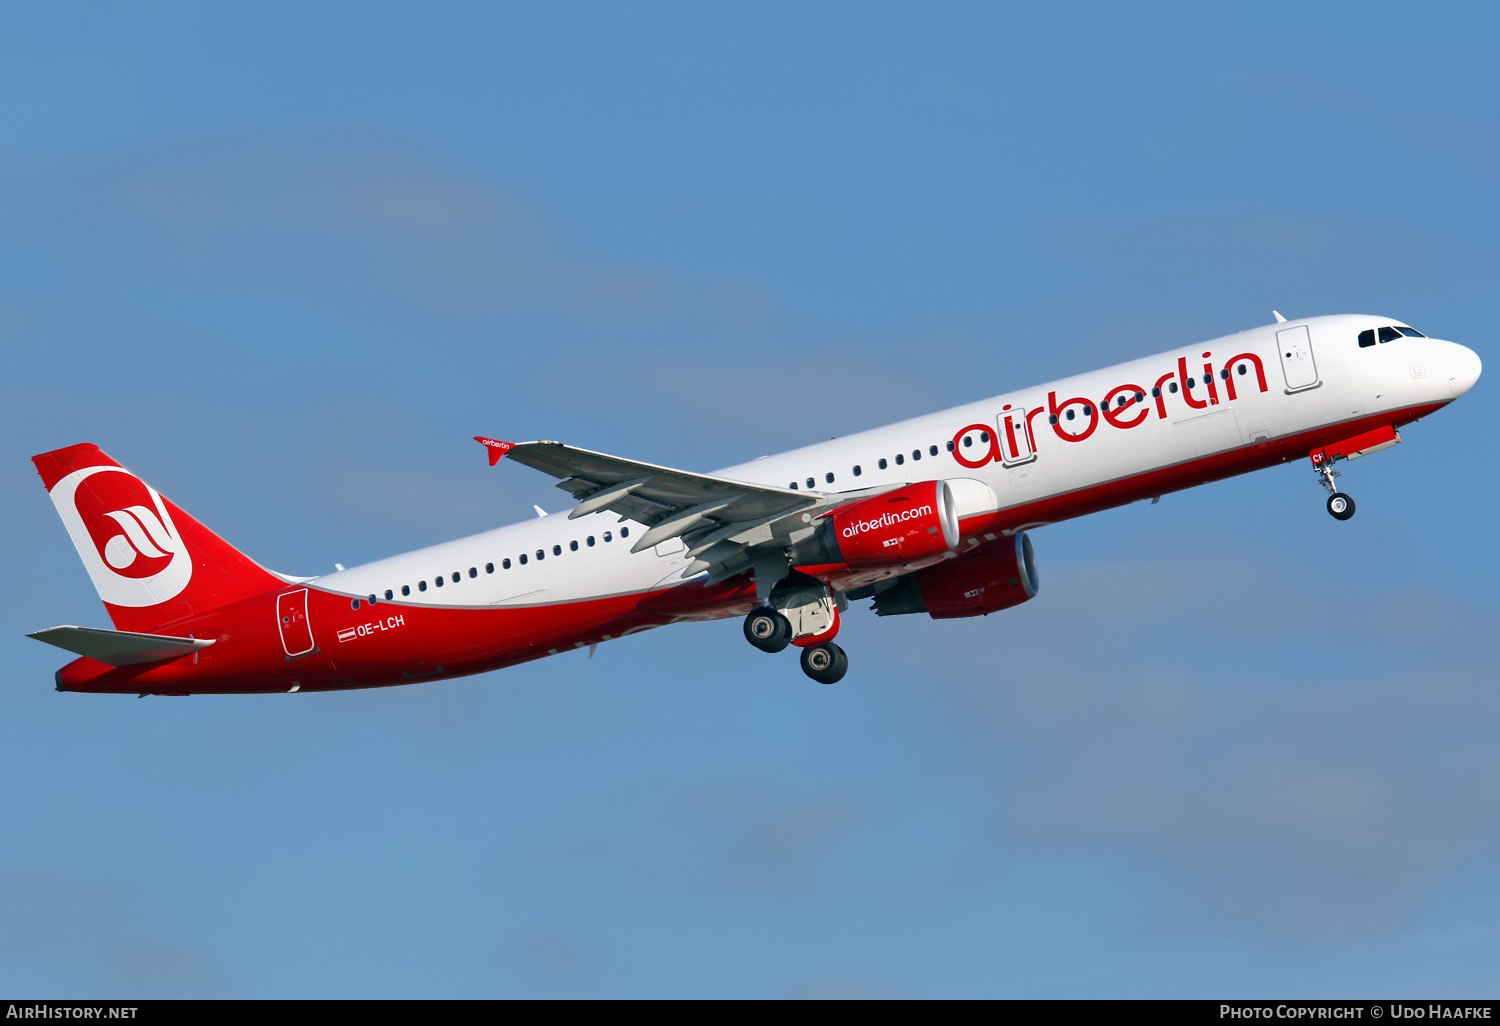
<point>1340,504</point>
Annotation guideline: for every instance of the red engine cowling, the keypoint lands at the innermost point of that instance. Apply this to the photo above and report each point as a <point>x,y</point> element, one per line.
<point>898,526</point>
<point>997,576</point>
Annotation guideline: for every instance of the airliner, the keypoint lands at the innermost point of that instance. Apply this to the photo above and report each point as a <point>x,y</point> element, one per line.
<point>929,515</point>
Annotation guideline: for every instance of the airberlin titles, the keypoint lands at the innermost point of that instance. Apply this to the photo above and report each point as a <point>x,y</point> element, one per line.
<point>885,520</point>
<point>1124,407</point>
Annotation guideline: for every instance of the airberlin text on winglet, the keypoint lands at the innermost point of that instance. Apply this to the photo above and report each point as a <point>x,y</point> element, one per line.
<point>495,447</point>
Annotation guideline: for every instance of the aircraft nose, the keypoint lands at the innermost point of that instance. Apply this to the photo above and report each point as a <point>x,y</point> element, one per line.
<point>1464,368</point>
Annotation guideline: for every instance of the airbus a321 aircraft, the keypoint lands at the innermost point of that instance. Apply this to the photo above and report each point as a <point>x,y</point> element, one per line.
<point>926,516</point>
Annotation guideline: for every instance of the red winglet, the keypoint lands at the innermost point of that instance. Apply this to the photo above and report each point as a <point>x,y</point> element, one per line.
<point>494,447</point>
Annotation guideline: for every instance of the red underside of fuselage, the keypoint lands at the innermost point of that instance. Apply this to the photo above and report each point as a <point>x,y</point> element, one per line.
<point>401,644</point>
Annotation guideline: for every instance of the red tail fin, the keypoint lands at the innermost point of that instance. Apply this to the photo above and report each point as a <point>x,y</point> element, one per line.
<point>151,563</point>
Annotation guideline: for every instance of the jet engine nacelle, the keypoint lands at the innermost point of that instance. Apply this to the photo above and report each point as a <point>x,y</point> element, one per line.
<point>917,521</point>
<point>897,527</point>
<point>997,576</point>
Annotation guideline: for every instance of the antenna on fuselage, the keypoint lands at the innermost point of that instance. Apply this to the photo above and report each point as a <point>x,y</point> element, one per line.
<point>1279,319</point>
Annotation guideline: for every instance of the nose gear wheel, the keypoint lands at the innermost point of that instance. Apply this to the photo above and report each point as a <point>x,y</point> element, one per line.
<point>1340,506</point>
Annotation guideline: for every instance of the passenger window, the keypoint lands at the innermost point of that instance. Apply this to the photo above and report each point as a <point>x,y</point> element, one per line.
<point>373,602</point>
<point>950,446</point>
<point>1172,387</point>
<point>505,563</point>
<point>812,482</point>
<point>438,581</point>
<point>1367,338</point>
<point>624,532</point>
<point>573,545</point>
<point>541,554</point>
<point>1412,332</point>
<point>932,450</point>
<point>1052,419</point>
<point>1389,334</point>
<point>793,486</point>
<point>608,536</point>
<point>857,471</point>
<point>916,454</point>
<point>354,604</point>
<point>1240,369</point>
<point>523,559</point>
<point>900,459</point>
<point>883,463</point>
<point>1140,397</point>
<point>421,585</point>
<point>489,568</point>
<point>590,541</point>
<point>1070,413</point>
<point>1156,392</point>
<point>473,572</point>
<point>557,550</point>
<point>405,589</point>
<point>1208,379</point>
<point>457,577</point>
<point>389,594</point>
<point>828,477</point>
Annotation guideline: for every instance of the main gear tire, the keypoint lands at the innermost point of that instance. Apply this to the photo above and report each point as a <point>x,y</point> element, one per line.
<point>767,629</point>
<point>825,663</point>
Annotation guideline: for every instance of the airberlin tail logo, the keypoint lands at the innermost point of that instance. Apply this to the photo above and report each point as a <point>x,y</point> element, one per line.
<point>144,535</point>
<point>124,535</point>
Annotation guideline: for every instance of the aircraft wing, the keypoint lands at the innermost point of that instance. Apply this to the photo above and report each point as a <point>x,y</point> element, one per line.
<point>720,520</point>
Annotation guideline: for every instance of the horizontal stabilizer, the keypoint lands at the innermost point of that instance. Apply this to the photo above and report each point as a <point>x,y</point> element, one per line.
<point>119,648</point>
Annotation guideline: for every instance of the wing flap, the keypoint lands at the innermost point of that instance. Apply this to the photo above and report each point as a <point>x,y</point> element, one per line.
<point>648,493</point>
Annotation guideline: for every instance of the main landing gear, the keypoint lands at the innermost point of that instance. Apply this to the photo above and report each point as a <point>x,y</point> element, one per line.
<point>769,631</point>
<point>1340,504</point>
<point>801,611</point>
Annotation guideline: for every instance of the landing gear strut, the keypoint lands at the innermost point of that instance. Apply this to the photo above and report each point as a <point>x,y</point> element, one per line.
<point>1340,504</point>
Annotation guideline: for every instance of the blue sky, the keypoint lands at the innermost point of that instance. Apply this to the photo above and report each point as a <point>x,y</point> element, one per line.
<point>284,260</point>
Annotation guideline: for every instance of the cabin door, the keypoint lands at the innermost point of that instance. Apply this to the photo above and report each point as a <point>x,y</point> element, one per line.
<point>1294,347</point>
<point>291,619</point>
<point>1015,443</point>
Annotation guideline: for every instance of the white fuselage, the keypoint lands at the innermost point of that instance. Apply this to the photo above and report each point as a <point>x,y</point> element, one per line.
<point>1334,381</point>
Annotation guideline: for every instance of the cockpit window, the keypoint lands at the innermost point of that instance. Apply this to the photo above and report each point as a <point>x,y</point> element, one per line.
<point>1410,332</point>
<point>1367,338</point>
<point>1389,334</point>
